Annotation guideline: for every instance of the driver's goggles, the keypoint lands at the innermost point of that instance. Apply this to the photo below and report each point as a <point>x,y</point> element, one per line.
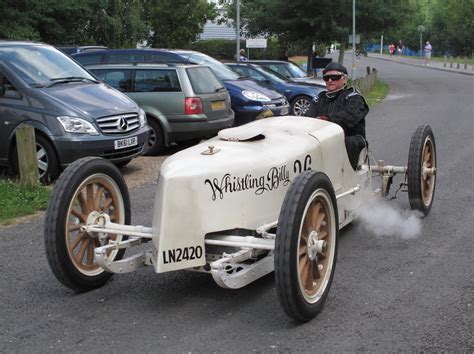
<point>332,77</point>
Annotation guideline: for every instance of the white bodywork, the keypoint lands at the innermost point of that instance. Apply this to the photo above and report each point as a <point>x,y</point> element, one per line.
<point>243,184</point>
<point>227,192</point>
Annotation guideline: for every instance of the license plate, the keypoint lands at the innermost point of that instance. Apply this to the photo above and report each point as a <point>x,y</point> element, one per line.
<point>218,105</point>
<point>123,143</point>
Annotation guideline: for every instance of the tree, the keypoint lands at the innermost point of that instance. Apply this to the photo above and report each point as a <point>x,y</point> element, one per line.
<point>321,21</point>
<point>177,23</point>
<point>452,26</point>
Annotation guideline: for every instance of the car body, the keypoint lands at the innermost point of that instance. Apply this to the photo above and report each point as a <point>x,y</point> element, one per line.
<point>72,113</point>
<point>70,49</point>
<point>166,92</point>
<point>249,100</point>
<point>299,95</point>
<point>290,70</point>
<point>269,195</point>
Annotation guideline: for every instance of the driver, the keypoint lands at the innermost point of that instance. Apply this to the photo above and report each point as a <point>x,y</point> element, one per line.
<point>344,106</point>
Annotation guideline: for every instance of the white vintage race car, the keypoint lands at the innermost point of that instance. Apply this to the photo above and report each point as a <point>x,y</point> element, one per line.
<point>267,196</point>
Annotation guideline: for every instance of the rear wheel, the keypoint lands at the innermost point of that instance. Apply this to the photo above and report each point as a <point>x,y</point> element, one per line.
<point>422,169</point>
<point>156,142</point>
<point>300,105</point>
<point>89,186</point>
<point>306,245</point>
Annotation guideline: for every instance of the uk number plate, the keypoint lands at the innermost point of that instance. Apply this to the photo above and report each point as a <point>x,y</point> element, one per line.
<point>218,105</point>
<point>123,143</point>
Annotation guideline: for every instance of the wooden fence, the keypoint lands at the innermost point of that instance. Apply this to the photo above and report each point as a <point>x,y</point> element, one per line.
<point>366,83</point>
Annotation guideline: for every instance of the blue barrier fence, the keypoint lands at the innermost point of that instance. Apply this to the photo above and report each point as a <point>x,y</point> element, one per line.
<point>375,48</point>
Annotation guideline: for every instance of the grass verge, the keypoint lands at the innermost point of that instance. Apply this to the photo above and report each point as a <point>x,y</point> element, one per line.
<point>377,94</point>
<point>17,200</point>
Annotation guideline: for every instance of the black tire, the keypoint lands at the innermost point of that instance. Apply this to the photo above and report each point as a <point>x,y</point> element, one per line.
<point>48,164</point>
<point>156,142</point>
<point>422,156</point>
<point>308,216</point>
<point>89,184</point>
<point>300,105</point>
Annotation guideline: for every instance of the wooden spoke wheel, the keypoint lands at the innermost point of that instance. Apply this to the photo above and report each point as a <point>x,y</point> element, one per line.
<point>306,245</point>
<point>422,169</point>
<point>88,188</point>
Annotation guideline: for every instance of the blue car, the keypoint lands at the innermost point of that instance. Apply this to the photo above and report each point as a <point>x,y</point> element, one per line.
<point>300,95</point>
<point>249,99</point>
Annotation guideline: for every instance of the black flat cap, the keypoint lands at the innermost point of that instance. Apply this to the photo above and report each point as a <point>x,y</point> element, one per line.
<point>335,66</point>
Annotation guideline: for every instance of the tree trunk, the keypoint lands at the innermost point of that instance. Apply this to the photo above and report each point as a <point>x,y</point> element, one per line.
<point>341,52</point>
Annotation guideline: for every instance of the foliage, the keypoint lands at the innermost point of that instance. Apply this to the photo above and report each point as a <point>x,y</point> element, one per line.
<point>176,23</point>
<point>452,26</point>
<point>378,93</point>
<point>322,21</point>
<point>113,23</point>
<point>223,49</point>
<point>17,200</point>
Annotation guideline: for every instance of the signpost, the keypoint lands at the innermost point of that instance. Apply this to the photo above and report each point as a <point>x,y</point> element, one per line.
<point>421,29</point>
<point>255,43</point>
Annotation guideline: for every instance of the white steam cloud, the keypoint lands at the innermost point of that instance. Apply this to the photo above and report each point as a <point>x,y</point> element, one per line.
<point>382,219</point>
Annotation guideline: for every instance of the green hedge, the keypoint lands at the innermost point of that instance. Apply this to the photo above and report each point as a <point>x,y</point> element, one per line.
<point>222,49</point>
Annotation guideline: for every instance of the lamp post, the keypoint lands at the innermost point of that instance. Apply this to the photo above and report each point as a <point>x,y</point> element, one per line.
<point>421,29</point>
<point>237,29</point>
<point>353,37</point>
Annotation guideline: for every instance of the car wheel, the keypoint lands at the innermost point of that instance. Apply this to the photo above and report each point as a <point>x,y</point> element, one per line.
<point>306,245</point>
<point>88,186</point>
<point>300,105</point>
<point>422,169</point>
<point>48,164</point>
<point>156,142</point>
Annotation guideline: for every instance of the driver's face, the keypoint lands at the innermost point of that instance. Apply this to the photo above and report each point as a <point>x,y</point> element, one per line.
<point>335,85</point>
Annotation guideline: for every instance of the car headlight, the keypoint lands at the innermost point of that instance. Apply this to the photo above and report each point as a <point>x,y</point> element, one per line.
<point>255,96</point>
<point>142,117</point>
<point>77,125</point>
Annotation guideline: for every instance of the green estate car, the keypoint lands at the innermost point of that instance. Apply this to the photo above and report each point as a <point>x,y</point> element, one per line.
<point>182,102</point>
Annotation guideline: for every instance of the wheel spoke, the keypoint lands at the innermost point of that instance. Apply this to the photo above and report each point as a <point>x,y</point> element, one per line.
<point>90,197</point>
<point>316,272</point>
<point>427,155</point>
<point>82,250</point>
<point>90,253</point>
<point>78,214</point>
<point>322,235</point>
<point>98,195</point>
<point>320,220</point>
<point>108,202</point>
<point>303,251</point>
<point>78,240</point>
<point>74,227</point>
<point>310,277</point>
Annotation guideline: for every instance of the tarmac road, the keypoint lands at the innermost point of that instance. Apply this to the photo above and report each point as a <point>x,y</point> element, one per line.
<point>390,294</point>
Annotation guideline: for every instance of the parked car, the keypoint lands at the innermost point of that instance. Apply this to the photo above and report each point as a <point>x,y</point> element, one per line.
<point>249,100</point>
<point>72,113</point>
<point>290,70</point>
<point>299,95</point>
<point>67,49</point>
<point>181,102</point>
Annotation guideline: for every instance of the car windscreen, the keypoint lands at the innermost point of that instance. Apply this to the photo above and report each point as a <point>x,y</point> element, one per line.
<point>41,65</point>
<point>221,70</point>
<point>274,75</point>
<point>203,80</point>
<point>295,70</point>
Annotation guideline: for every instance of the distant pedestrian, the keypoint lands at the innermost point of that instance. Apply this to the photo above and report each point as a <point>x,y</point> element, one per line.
<point>391,49</point>
<point>242,56</point>
<point>400,48</point>
<point>428,50</point>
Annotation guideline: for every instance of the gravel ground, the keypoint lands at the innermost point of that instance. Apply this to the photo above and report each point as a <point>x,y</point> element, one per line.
<point>142,170</point>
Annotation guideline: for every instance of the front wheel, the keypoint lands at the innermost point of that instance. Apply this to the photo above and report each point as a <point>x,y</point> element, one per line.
<point>306,245</point>
<point>89,186</point>
<point>422,169</point>
<point>300,105</point>
<point>155,143</point>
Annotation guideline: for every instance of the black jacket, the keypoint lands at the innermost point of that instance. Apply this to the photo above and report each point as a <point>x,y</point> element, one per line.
<point>345,107</point>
